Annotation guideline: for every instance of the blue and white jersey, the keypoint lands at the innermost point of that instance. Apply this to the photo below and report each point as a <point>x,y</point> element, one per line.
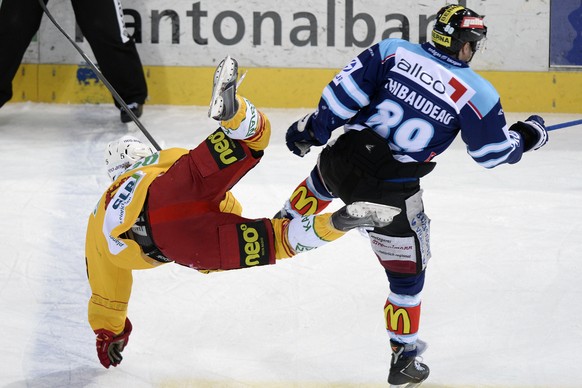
<point>418,99</point>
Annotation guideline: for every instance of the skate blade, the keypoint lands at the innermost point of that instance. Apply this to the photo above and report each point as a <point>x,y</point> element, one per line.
<point>240,80</point>
<point>383,213</point>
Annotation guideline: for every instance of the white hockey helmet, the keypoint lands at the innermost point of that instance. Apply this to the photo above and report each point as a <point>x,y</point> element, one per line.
<point>122,153</point>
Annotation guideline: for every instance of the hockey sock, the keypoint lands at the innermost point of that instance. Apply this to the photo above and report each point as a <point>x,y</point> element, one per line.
<point>307,200</point>
<point>303,234</point>
<point>249,125</point>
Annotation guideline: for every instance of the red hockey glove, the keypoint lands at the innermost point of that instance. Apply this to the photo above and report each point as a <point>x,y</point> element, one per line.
<point>110,346</point>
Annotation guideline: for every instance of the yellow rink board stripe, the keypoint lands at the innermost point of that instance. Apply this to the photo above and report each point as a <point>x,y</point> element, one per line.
<point>556,92</point>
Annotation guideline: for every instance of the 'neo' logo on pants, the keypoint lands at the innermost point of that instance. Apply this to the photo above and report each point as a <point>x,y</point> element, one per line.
<point>223,149</point>
<point>253,244</point>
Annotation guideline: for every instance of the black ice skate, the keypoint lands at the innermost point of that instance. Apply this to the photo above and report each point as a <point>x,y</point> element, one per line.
<point>405,370</point>
<point>135,107</point>
<point>363,214</point>
<point>223,104</point>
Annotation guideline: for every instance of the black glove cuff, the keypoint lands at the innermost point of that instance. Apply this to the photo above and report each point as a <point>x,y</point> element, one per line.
<point>527,133</point>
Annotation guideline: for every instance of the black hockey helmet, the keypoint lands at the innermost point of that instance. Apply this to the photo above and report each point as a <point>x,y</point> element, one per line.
<point>455,25</point>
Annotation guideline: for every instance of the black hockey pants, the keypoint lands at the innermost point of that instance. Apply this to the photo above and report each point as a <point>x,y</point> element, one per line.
<point>359,166</point>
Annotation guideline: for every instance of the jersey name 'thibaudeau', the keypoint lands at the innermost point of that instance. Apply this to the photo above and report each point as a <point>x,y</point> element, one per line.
<point>418,99</point>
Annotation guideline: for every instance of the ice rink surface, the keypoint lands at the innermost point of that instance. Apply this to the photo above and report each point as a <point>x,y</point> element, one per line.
<point>501,306</point>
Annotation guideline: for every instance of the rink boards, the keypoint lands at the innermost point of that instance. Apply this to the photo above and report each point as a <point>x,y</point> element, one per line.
<point>554,91</point>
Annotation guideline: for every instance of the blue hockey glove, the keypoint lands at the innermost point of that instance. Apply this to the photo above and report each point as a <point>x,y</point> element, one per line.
<point>300,137</point>
<point>533,132</point>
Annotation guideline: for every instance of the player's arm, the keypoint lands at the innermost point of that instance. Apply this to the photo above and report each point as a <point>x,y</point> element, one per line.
<point>488,139</point>
<point>107,310</point>
<point>490,142</point>
<point>342,98</point>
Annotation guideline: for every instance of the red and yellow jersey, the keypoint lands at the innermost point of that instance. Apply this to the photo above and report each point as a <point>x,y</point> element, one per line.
<point>122,203</point>
<point>111,258</point>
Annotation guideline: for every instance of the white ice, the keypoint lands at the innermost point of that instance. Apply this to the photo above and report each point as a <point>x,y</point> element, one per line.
<point>502,305</point>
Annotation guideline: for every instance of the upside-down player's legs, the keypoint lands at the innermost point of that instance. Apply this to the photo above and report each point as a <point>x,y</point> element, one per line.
<point>185,203</point>
<point>188,207</point>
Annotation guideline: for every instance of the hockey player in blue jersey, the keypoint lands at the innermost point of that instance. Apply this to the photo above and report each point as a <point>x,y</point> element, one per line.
<point>401,105</point>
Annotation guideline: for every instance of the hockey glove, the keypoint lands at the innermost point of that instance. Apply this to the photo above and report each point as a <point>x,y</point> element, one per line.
<point>110,346</point>
<point>300,137</point>
<point>532,131</point>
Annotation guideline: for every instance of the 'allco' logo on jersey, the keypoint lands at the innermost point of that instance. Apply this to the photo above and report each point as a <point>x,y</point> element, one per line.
<point>253,244</point>
<point>418,74</point>
<point>436,79</point>
<point>223,149</point>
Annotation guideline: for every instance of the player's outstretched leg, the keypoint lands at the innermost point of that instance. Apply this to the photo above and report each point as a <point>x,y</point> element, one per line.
<point>363,214</point>
<point>300,234</point>
<point>239,118</point>
<point>223,104</point>
<point>405,370</point>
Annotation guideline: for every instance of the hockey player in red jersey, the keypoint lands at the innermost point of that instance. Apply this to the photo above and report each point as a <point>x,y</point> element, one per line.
<point>175,206</point>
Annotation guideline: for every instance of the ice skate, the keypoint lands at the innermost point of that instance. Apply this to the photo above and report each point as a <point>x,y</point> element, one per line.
<point>405,370</point>
<point>223,104</point>
<point>135,107</point>
<point>363,214</point>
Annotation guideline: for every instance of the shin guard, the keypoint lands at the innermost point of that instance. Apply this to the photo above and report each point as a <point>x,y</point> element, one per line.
<point>402,315</point>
